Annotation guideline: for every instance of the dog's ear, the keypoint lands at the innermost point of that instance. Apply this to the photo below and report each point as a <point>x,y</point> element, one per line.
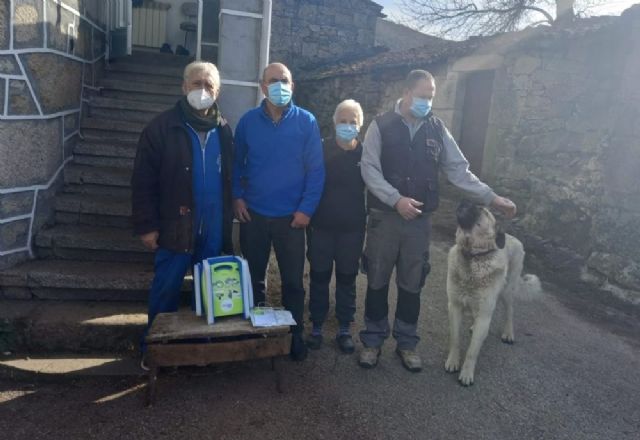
<point>467,214</point>
<point>501,239</point>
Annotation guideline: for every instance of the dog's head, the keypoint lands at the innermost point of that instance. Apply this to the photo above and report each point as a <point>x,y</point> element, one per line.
<point>477,231</point>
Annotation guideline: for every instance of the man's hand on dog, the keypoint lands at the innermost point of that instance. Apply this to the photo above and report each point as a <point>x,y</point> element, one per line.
<point>505,206</point>
<point>150,240</point>
<point>408,208</point>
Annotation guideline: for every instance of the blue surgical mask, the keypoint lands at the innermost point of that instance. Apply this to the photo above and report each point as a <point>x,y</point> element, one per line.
<point>279,94</point>
<point>420,107</point>
<point>346,132</point>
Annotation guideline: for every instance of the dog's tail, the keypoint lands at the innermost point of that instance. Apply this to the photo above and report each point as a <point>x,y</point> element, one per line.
<point>529,289</point>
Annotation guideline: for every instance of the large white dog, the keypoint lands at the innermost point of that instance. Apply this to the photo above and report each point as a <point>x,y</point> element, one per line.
<point>484,265</point>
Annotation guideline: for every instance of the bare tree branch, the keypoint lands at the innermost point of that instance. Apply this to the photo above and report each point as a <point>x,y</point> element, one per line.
<point>463,18</point>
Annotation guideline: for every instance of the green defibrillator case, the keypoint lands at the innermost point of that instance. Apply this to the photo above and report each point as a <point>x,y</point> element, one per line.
<point>222,287</point>
<point>227,290</point>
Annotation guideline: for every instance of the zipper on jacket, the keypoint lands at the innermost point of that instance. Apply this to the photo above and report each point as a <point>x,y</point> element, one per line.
<point>204,171</point>
<point>204,167</point>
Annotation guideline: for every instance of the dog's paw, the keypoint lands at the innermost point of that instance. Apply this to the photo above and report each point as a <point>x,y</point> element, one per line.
<point>453,364</point>
<point>466,377</point>
<point>507,338</point>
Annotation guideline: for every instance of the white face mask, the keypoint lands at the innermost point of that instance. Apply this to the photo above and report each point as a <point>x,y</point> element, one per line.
<point>200,99</point>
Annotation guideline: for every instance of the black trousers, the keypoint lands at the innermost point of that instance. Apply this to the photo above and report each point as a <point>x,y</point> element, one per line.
<point>324,247</point>
<point>256,238</point>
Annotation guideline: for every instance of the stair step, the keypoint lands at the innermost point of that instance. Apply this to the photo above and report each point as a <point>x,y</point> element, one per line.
<point>139,96</point>
<point>123,104</point>
<point>91,243</point>
<point>124,110</point>
<point>150,77</point>
<point>80,174</point>
<point>73,326</point>
<point>98,190</point>
<point>101,161</point>
<point>77,218</point>
<point>121,115</point>
<point>128,66</point>
<point>107,137</point>
<point>112,125</point>
<point>84,280</point>
<point>111,206</point>
<point>154,59</point>
<point>137,87</point>
<point>117,150</point>
<point>69,280</point>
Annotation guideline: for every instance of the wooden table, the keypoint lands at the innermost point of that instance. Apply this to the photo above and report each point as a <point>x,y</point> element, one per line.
<point>182,338</point>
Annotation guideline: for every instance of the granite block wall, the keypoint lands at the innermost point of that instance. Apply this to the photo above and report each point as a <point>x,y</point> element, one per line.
<point>50,50</point>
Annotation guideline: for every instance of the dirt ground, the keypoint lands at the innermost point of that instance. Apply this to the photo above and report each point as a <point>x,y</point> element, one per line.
<point>572,374</point>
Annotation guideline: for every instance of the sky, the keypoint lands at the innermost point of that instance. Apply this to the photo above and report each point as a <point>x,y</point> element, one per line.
<point>611,7</point>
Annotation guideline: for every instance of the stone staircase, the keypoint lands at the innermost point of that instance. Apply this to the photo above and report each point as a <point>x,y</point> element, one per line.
<point>87,289</point>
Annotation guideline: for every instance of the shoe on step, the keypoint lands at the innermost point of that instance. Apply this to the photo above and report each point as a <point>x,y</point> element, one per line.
<point>410,360</point>
<point>369,357</point>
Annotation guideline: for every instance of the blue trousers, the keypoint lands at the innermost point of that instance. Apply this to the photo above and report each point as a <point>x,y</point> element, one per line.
<point>170,268</point>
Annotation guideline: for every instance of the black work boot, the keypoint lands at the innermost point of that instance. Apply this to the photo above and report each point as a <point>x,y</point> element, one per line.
<point>314,341</point>
<point>298,348</point>
<point>345,343</point>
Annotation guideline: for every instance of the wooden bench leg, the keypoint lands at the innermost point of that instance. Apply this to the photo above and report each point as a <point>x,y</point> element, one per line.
<point>151,389</point>
<point>276,369</point>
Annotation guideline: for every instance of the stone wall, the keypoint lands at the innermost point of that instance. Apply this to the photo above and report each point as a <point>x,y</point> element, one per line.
<point>564,142</point>
<point>307,32</point>
<point>563,139</point>
<point>49,52</point>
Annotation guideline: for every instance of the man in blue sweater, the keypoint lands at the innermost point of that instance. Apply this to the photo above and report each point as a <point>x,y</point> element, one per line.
<point>278,176</point>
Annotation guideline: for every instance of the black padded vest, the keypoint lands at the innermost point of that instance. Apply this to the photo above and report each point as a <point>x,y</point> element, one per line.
<point>410,166</point>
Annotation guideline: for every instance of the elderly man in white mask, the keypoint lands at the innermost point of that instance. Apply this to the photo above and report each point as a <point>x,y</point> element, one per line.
<point>181,186</point>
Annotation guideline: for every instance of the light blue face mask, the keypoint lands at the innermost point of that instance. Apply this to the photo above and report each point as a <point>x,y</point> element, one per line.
<point>346,132</point>
<point>420,107</point>
<point>279,94</point>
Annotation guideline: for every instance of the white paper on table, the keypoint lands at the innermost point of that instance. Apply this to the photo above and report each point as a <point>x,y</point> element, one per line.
<point>269,317</point>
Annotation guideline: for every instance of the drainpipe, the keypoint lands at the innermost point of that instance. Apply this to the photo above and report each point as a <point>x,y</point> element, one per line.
<point>108,33</point>
<point>129,12</point>
<point>265,41</point>
<point>199,33</point>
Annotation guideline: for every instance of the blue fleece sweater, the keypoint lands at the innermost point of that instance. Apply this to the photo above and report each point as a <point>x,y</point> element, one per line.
<point>278,167</point>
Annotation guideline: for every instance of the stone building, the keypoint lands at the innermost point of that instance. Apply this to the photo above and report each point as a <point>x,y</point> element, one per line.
<point>312,32</point>
<point>53,52</point>
<point>547,116</point>
<point>397,37</point>
<point>72,275</point>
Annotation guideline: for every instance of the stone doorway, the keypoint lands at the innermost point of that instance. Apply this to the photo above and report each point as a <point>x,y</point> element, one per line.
<point>475,117</point>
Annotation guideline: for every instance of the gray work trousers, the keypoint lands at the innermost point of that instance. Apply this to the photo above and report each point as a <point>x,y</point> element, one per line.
<point>393,242</point>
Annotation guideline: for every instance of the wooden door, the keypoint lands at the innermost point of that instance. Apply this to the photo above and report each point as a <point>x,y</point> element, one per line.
<point>475,117</point>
